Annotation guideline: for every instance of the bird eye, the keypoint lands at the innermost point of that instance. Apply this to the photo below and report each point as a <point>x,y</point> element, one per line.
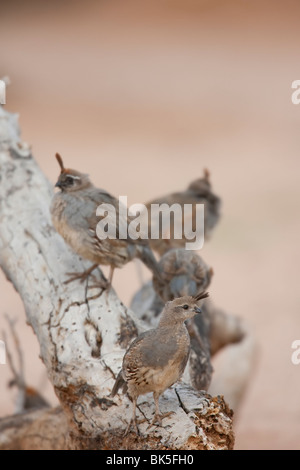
<point>69,180</point>
<point>185,307</point>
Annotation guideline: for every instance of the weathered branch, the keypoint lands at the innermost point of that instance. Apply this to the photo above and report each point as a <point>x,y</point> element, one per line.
<point>34,430</point>
<point>235,363</point>
<point>49,429</point>
<point>82,330</point>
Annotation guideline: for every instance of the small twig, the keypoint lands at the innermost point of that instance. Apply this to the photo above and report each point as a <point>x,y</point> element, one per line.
<point>19,377</point>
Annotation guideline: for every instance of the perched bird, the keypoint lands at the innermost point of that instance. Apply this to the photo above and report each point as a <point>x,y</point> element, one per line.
<point>198,192</point>
<point>182,273</point>
<point>156,359</point>
<point>73,212</point>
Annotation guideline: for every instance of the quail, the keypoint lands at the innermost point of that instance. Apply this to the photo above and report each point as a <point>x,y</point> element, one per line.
<point>185,273</point>
<point>198,192</point>
<point>182,273</point>
<point>73,211</point>
<point>156,359</point>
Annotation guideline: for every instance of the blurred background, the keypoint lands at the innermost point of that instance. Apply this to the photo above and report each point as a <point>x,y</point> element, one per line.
<point>143,96</point>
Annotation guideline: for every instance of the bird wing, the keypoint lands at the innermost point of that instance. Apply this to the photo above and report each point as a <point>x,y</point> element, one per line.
<point>152,349</point>
<point>120,218</point>
<point>155,360</point>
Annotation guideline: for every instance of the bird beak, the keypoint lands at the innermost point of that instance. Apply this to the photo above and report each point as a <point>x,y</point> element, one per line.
<point>197,310</point>
<point>58,185</point>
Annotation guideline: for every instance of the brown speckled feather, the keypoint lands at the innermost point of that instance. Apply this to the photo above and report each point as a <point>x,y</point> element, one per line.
<point>73,212</point>
<point>198,192</point>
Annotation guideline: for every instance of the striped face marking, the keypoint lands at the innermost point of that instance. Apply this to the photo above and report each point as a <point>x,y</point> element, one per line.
<point>73,177</point>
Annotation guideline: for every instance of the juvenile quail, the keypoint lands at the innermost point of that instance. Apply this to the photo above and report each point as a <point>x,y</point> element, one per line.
<point>156,359</point>
<point>73,212</point>
<point>198,192</point>
<point>182,273</point>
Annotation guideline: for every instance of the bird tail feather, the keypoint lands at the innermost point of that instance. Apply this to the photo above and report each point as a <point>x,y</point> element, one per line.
<point>120,382</point>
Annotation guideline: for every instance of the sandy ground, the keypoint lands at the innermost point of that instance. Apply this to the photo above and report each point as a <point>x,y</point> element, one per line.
<point>143,98</point>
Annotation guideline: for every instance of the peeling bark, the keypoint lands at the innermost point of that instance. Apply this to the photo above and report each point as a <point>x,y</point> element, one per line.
<point>82,331</point>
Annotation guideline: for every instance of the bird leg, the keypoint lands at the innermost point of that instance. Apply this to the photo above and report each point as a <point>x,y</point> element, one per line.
<point>158,417</point>
<point>133,419</point>
<point>84,275</point>
<point>108,285</point>
<point>111,273</point>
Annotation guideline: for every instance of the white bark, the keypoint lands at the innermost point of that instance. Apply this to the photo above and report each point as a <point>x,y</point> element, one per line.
<point>82,331</point>
<point>235,366</point>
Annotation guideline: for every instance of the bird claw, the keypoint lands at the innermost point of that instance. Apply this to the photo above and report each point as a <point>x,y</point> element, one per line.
<point>157,418</point>
<point>103,283</point>
<point>74,276</point>
<point>134,424</point>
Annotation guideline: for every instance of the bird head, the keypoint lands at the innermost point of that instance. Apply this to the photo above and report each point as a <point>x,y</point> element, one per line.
<point>201,184</point>
<point>71,180</point>
<point>181,309</point>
